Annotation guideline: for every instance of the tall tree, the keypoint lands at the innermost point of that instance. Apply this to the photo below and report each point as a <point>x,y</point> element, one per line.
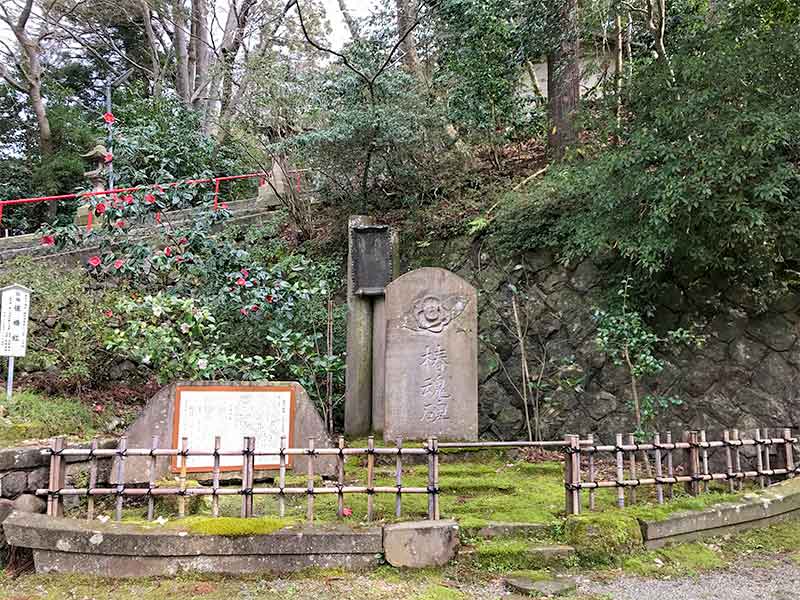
<point>563,77</point>
<point>406,21</point>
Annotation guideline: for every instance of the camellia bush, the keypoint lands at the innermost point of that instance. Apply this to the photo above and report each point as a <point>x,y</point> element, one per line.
<point>204,304</point>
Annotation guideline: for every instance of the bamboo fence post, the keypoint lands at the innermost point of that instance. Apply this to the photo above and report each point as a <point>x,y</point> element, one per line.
<point>151,478</point>
<point>431,507</point>
<point>370,476</point>
<point>670,465</point>
<point>251,475</point>
<point>788,452</point>
<point>282,477</point>
<point>310,490</point>
<point>704,459</point>
<point>182,479</point>
<point>693,461</point>
<point>121,448</point>
<point>767,449</point>
<point>620,473</point>
<point>92,480</point>
<point>759,459</point>
<point>436,479</point>
<point>659,473</point>
<point>726,438</point>
<point>737,456</point>
<point>215,478</point>
<point>55,506</point>
<point>590,439</point>
<point>632,464</point>
<point>398,478</point>
<point>340,473</point>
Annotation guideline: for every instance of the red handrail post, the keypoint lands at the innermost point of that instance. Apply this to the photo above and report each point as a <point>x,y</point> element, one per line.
<point>216,193</point>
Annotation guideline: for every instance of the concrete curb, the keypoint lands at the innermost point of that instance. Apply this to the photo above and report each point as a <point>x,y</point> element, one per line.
<point>777,503</point>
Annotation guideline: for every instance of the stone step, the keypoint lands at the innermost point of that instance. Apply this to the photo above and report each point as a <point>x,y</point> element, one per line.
<point>539,584</point>
<point>496,529</point>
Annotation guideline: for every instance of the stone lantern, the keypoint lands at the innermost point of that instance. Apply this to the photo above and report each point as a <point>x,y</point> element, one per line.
<point>97,177</point>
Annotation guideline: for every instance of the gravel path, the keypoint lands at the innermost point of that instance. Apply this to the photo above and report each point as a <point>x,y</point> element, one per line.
<point>739,582</point>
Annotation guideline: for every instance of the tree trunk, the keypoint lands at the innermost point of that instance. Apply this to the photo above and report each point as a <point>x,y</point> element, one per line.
<point>406,17</point>
<point>352,24</point>
<point>152,43</point>
<point>618,66</point>
<point>563,80</point>
<point>181,43</point>
<point>202,51</point>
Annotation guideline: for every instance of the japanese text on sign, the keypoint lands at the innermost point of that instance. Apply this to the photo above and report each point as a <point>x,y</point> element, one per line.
<point>14,309</point>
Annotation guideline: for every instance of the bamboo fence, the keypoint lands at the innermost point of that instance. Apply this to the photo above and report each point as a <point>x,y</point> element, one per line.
<point>56,490</point>
<point>662,464</point>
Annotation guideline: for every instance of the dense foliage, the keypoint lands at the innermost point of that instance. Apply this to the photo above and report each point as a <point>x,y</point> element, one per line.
<point>704,178</point>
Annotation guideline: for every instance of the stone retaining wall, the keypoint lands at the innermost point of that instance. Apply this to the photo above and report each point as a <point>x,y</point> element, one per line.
<point>66,545</point>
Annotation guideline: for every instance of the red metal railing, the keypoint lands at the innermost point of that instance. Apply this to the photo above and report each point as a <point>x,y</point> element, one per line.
<point>215,180</point>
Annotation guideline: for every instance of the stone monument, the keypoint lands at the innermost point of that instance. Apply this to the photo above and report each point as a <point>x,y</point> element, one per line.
<point>431,364</point>
<point>373,261</point>
<point>232,418</point>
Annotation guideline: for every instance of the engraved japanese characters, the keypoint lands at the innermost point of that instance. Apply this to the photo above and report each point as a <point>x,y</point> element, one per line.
<point>431,357</point>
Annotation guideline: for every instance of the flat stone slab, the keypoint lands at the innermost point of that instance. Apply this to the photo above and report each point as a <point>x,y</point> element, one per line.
<point>496,529</point>
<point>550,555</point>
<point>421,543</point>
<point>560,586</point>
<point>78,537</point>
<point>778,502</point>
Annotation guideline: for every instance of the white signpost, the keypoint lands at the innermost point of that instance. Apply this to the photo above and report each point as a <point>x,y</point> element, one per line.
<point>15,302</point>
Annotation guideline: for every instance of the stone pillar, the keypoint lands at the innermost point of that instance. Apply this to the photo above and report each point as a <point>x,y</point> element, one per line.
<point>358,371</point>
<point>373,262</point>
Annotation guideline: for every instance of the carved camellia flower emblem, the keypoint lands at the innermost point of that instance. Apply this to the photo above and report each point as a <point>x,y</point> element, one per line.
<point>434,314</point>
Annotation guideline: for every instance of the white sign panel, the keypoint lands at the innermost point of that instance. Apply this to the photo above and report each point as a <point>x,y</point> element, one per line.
<point>201,413</point>
<point>15,301</point>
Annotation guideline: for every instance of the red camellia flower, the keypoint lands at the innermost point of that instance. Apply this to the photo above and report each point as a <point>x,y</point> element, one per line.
<point>109,118</point>
<point>347,511</point>
<point>118,263</point>
<point>224,205</point>
<point>254,308</point>
<point>98,408</point>
<point>48,240</point>
<point>183,241</point>
<point>167,251</point>
<point>243,311</point>
<point>241,281</point>
<point>100,209</point>
<point>128,199</point>
<point>109,313</point>
<point>120,224</point>
<point>178,259</point>
<point>108,157</point>
<point>268,299</point>
<point>149,198</point>
<point>158,217</point>
<point>245,272</point>
<point>95,261</point>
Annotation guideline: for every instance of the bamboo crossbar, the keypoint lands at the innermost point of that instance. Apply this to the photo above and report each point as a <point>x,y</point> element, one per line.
<point>696,463</point>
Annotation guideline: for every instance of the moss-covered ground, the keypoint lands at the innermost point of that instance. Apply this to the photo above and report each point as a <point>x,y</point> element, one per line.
<point>32,416</point>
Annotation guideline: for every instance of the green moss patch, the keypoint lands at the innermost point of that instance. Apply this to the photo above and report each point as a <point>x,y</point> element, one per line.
<point>502,556</point>
<point>680,560</point>
<point>33,416</point>
<point>603,538</point>
<point>232,526</point>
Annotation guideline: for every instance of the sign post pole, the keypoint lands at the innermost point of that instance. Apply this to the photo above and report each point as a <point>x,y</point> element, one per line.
<point>10,378</point>
<point>15,303</point>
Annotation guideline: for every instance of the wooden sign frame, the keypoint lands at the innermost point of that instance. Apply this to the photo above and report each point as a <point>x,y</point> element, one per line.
<point>175,468</point>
